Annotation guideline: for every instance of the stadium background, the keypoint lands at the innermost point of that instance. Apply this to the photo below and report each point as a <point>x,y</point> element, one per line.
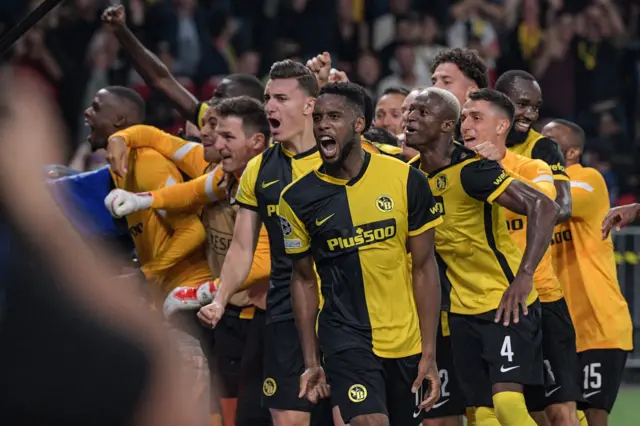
<point>592,75</point>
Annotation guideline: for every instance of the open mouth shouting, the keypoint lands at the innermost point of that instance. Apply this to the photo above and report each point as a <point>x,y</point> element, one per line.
<point>328,147</point>
<point>274,123</point>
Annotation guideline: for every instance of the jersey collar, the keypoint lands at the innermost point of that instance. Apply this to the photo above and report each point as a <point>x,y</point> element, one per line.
<point>350,182</point>
<point>299,156</point>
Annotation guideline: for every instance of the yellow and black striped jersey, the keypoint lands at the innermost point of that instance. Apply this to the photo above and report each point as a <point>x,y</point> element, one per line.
<point>260,187</point>
<point>477,257</point>
<point>357,233</point>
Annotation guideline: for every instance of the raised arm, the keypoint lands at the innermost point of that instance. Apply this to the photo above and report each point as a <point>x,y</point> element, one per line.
<point>187,156</point>
<point>149,66</point>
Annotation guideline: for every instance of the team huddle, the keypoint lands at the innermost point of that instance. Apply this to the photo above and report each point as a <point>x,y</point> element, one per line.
<point>330,277</point>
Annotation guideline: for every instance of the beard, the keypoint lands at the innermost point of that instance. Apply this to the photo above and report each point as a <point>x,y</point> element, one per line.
<point>515,138</point>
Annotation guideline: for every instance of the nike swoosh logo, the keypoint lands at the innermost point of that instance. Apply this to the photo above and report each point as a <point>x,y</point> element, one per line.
<point>440,404</point>
<point>320,222</point>
<point>548,394</point>
<point>587,395</point>
<point>504,370</point>
<point>268,184</point>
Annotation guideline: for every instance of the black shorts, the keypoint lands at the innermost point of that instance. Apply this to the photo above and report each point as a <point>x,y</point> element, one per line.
<point>283,366</point>
<point>230,336</point>
<point>451,402</point>
<point>363,383</point>
<point>602,371</point>
<point>562,381</point>
<point>486,353</point>
<point>249,410</point>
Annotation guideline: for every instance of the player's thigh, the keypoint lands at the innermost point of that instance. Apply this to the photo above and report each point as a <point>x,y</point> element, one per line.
<point>283,365</point>
<point>470,368</point>
<point>601,375</point>
<point>230,335</point>
<point>451,402</point>
<point>562,380</point>
<point>250,411</point>
<point>357,380</point>
<point>514,353</point>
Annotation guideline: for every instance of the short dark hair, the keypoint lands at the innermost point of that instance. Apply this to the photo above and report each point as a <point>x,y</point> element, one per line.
<point>251,111</point>
<point>132,97</point>
<point>577,131</point>
<point>248,85</point>
<point>497,99</point>
<point>506,80</point>
<point>396,90</point>
<point>353,93</point>
<point>468,62</point>
<point>291,69</point>
<point>379,135</point>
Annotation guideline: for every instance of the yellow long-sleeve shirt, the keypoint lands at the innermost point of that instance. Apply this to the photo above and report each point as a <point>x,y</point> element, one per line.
<point>207,187</point>
<point>538,174</point>
<point>587,269</point>
<point>170,245</point>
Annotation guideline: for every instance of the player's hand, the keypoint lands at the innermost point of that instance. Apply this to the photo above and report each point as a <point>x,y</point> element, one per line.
<point>321,67</point>
<point>117,155</point>
<point>336,76</point>
<point>515,296</point>
<point>489,151</point>
<point>211,314</point>
<point>619,217</point>
<point>181,299</point>
<point>313,385</point>
<point>121,203</point>
<point>115,17</point>
<point>427,370</point>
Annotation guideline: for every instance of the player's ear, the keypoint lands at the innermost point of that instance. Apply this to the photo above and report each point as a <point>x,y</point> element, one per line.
<point>359,124</point>
<point>121,122</point>
<point>309,105</point>
<point>447,126</point>
<point>257,141</point>
<point>573,153</point>
<point>470,90</point>
<point>503,126</point>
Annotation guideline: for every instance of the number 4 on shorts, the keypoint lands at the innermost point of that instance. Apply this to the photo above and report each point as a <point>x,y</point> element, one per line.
<point>506,349</point>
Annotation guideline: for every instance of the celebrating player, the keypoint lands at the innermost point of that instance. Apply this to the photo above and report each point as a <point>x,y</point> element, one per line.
<point>290,96</point>
<point>524,91</point>
<point>388,113</point>
<point>170,246</point>
<point>494,314</point>
<point>459,71</point>
<point>586,267</point>
<point>243,132</point>
<point>353,217</point>
<point>558,334</point>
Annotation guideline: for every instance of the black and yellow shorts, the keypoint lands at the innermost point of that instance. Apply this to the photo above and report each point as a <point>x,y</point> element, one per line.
<point>231,337</point>
<point>363,383</point>
<point>486,353</point>
<point>451,402</point>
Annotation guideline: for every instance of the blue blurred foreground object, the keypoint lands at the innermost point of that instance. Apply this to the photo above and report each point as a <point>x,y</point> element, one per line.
<point>81,197</point>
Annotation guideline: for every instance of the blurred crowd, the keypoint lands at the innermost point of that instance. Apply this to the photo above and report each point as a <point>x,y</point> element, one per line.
<point>584,53</point>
